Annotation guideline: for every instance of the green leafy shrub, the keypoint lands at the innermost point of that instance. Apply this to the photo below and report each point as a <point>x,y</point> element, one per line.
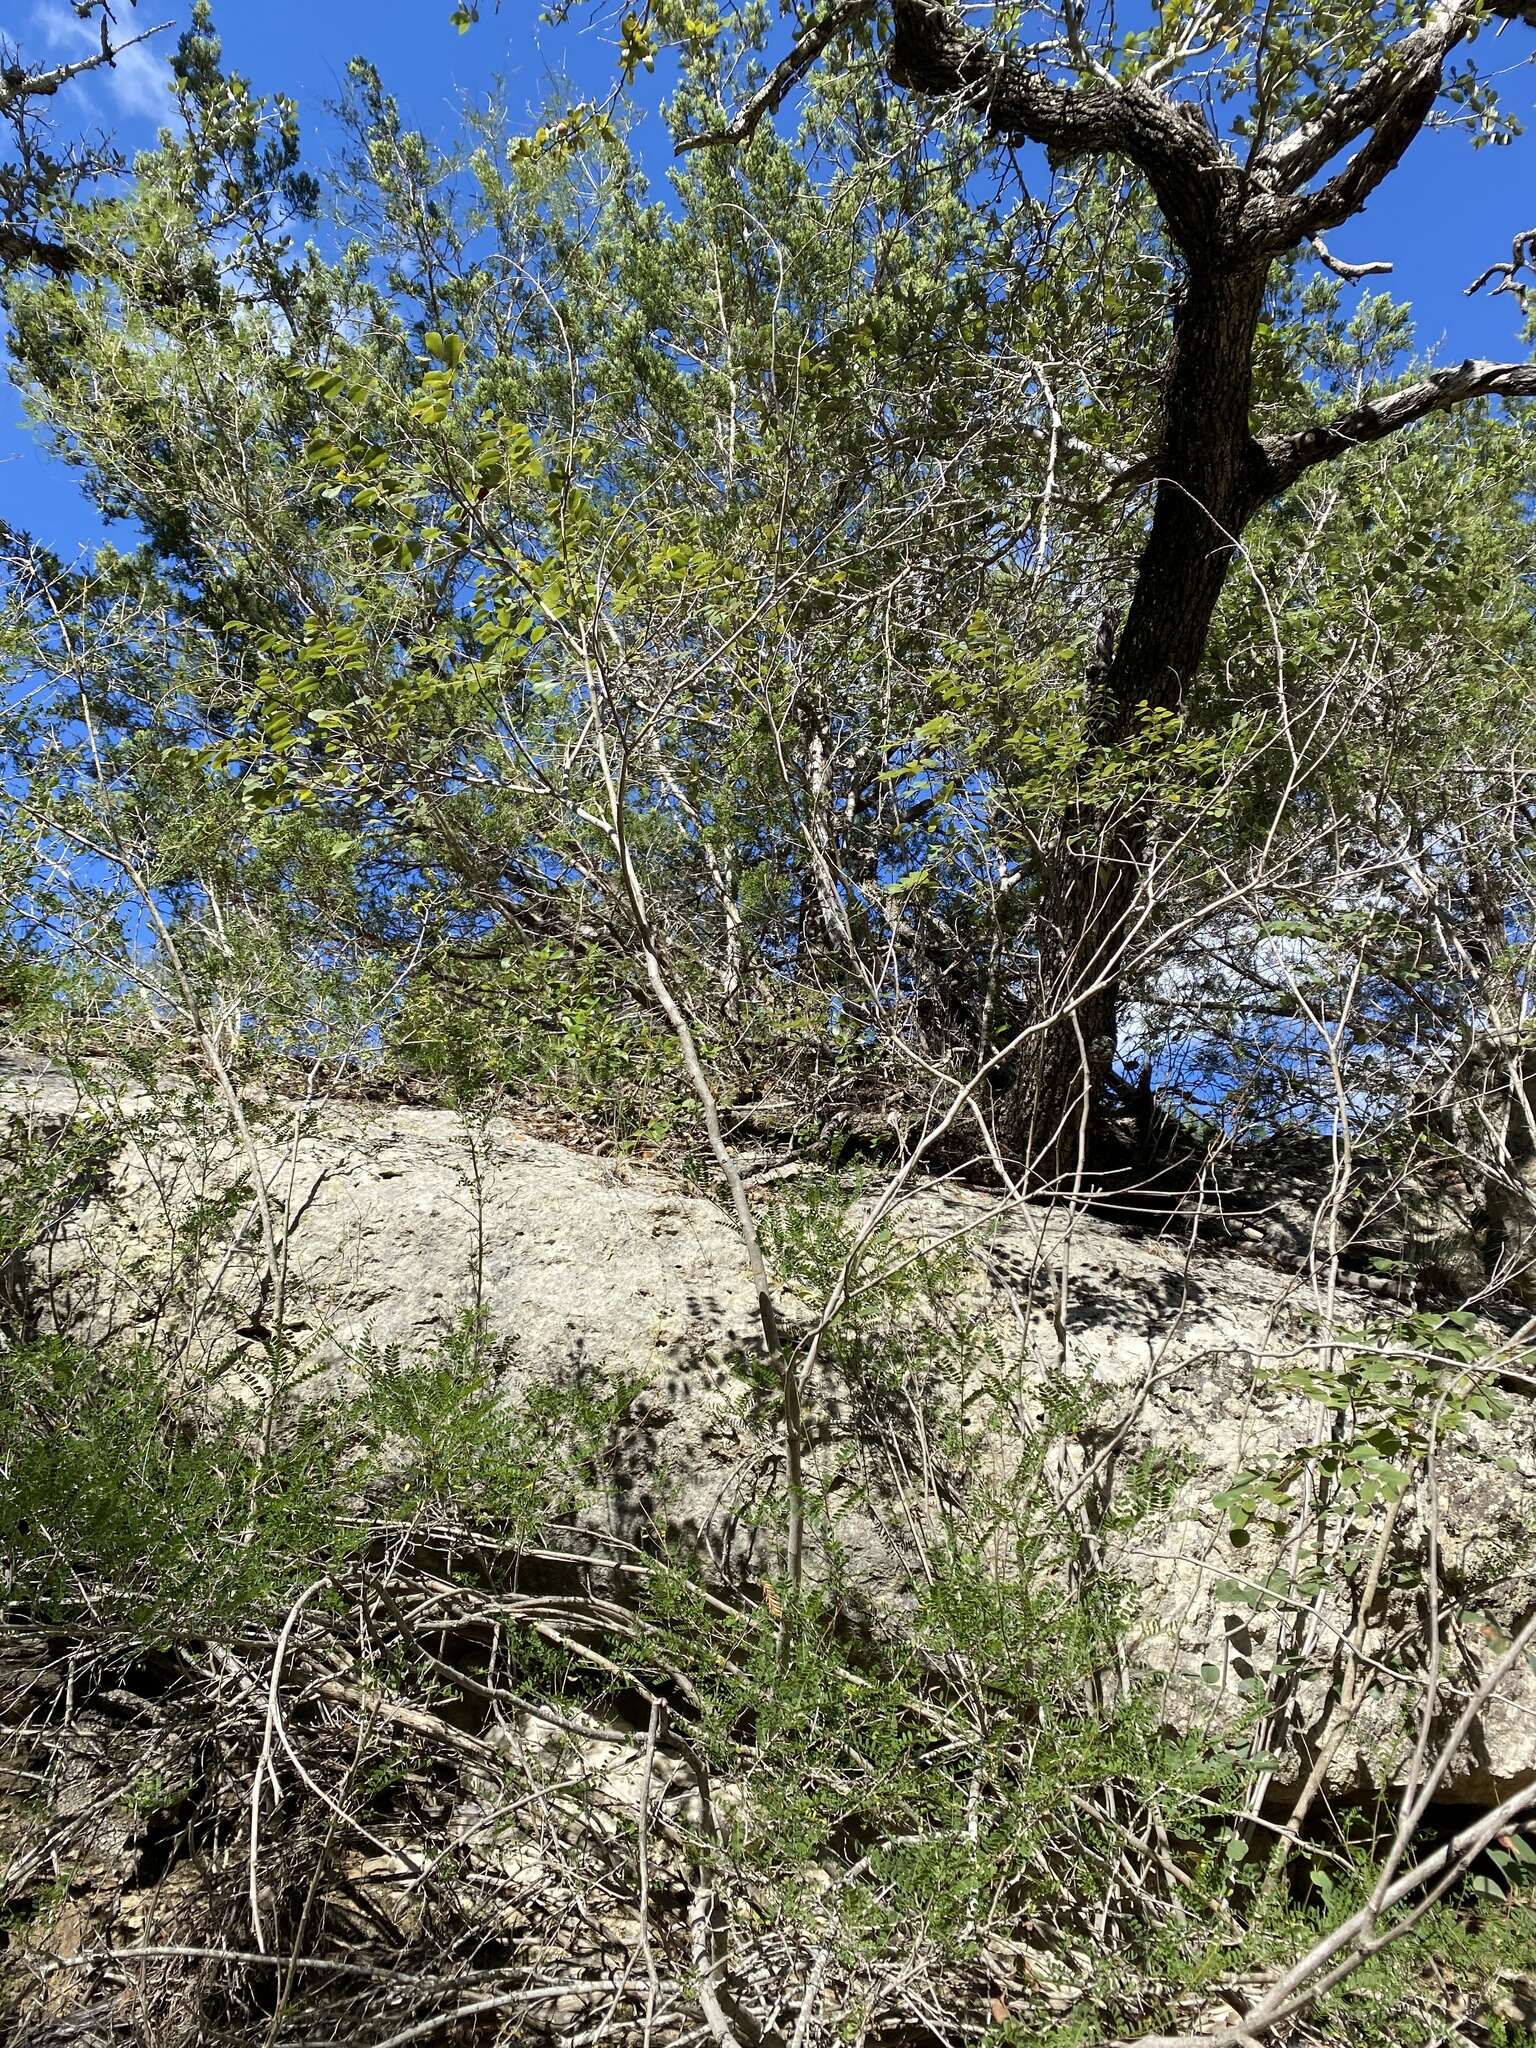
<point>118,1508</point>
<point>448,1434</point>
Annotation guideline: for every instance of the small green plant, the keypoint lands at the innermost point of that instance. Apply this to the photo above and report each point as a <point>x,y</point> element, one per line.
<point>1387,1393</point>
<point>124,1492</point>
<point>551,1027</point>
<point>44,1175</point>
<point>114,1501</point>
<point>454,1432</point>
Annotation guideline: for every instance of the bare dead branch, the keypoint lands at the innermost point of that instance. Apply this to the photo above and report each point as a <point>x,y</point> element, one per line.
<point>1522,256</point>
<point>18,85</point>
<point>770,96</point>
<point>1350,272</point>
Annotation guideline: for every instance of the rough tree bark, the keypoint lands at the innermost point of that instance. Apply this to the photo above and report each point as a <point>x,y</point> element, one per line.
<point>1204,498</point>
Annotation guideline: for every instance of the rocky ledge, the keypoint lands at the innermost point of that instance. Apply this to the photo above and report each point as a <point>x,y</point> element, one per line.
<point>1197,1404</point>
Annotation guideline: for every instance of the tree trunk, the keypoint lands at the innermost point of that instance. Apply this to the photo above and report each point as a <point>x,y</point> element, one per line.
<point>1211,483</point>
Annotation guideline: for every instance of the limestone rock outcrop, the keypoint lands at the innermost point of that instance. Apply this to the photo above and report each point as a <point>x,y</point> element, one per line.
<point>1186,1373</point>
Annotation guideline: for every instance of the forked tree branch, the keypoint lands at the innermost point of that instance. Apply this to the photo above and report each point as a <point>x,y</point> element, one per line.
<point>1289,163</point>
<point>1388,104</point>
<point>934,52</point>
<point>1211,208</point>
<point>1342,197</point>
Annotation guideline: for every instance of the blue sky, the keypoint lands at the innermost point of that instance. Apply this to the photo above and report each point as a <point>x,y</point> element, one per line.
<point>1447,214</point>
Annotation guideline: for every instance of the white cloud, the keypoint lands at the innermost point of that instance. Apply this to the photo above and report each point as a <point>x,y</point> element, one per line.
<point>138,85</point>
